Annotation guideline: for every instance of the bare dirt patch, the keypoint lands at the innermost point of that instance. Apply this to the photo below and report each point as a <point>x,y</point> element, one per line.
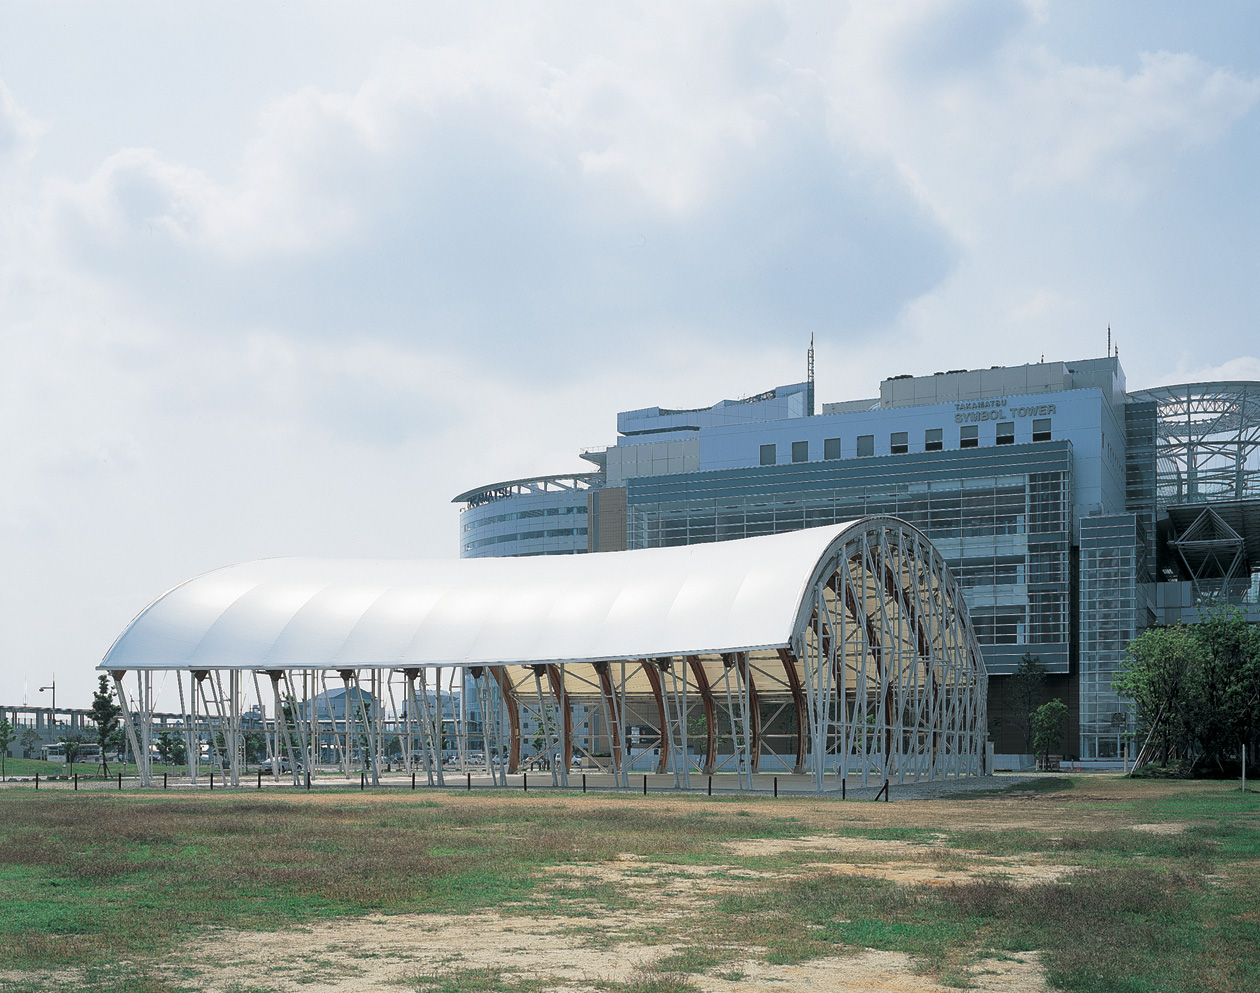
<point>906,862</point>
<point>870,971</point>
<point>865,848</point>
<point>594,945</point>
<point>387,953</point>
<point>1168,827</point>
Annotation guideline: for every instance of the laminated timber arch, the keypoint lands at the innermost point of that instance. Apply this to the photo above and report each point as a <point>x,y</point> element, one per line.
<point>835,652</point>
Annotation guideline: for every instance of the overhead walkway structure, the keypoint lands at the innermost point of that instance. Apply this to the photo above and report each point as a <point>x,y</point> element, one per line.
<point>833,653</point>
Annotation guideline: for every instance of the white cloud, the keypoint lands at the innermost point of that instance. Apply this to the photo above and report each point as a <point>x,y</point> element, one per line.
<point>19,131</point>
<point>523,194</point>
<point>1014,118</point>
<point>1245,368</point>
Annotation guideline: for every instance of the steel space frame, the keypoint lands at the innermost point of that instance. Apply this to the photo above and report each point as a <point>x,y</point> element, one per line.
<point>882,679</point>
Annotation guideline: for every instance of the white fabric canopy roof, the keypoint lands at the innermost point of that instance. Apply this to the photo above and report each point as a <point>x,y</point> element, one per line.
<point>328,613</point>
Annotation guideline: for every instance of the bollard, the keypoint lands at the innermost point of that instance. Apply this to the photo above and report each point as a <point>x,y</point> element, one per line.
<point>308,780</point>
<point>525,781</point>
<point>211,780</point>
<point>645,785</point>
<point>583,782</point>
<point>843,784</point>
<point>413,780</point>
<point>76,781</point>
<point>362,780</point>
<point>259,778</point>
<point>776,785</point>
<point>886,791</point>
<point>120,780</point>
<point>163,780</point>
<point>37,780</point>
<point>470,782</point>
<point>710,786</point>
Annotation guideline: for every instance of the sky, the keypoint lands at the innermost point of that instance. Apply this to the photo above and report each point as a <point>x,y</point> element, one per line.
<point>282,279</point>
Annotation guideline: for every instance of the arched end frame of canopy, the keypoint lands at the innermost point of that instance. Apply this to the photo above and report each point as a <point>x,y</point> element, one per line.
<point>881,680</point>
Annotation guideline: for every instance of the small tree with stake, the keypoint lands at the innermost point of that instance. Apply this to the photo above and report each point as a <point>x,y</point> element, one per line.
<point>104,713</point>
<point>1048,723</point>
<point>71,745</point>
<point>170,748</point>
<point>7,735</point>
<point>1026,684</point>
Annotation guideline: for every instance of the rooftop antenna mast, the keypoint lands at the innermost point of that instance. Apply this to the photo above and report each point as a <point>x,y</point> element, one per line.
<point>809,393</point>
<point>1108,340</point>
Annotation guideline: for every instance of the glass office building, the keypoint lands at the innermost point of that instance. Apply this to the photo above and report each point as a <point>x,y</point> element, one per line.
<point>544,515</point>
<point>1074,513</point>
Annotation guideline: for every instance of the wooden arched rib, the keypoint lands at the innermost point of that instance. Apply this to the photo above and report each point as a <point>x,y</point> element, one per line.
<point>710,712</point>
<point>555,679</point>
<point>513,708</point>
<point>654,680</point>
<point>798,702</point>
<point>604,671</point>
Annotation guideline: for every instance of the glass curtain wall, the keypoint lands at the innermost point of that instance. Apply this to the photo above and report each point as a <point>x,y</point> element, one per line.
<point>1006,538</point>
<point>1115,608</point>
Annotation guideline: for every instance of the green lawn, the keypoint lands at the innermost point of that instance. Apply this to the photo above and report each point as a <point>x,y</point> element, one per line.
<point>24,768</point>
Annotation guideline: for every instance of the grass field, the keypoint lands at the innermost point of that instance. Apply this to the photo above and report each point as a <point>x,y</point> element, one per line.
<point>22,768</point>
<point>1085,883</point>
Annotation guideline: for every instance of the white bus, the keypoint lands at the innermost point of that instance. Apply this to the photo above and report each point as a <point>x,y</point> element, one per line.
<point>56,752</point>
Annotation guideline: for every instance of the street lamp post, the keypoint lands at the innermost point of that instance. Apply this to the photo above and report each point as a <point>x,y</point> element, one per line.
<point>53,687</point>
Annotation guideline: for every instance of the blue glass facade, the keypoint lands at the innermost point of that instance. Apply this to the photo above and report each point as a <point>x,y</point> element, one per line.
<point>1001,518</point>
<point>1067,507</point>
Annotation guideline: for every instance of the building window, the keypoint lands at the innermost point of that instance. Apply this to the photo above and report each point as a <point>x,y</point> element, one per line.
<point>933,440</point>
<point>831,448</point>
<point>1006,433</point>
<point>969,436</point>
<point>767,455</point>
<point>899,442</point>
<point>1041,429</point>
<point>800,451</point>
<point>865,444</point>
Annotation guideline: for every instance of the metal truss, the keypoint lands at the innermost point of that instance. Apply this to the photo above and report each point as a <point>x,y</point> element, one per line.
<point>1207,441</point>
<point>882,679</point>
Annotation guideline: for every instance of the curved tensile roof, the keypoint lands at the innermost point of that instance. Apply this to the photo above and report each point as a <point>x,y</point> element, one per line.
<point>728,596</point>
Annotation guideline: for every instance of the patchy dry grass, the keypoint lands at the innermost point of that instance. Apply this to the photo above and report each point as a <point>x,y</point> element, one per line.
<point>1116,885</point>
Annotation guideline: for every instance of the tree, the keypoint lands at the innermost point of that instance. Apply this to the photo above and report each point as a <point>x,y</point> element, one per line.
<point>255,743</point>
<point>698,732</point>
<point>71,745</point>
<point>104,713</point>
<point>7,736</point>
<point>1197,687</point>
<point>170,748</point>
<point>1048,723</point>
<point>1158,675</point>
<point>1222,709</point>
<point>29,741</point>
<point>1026,686</point>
